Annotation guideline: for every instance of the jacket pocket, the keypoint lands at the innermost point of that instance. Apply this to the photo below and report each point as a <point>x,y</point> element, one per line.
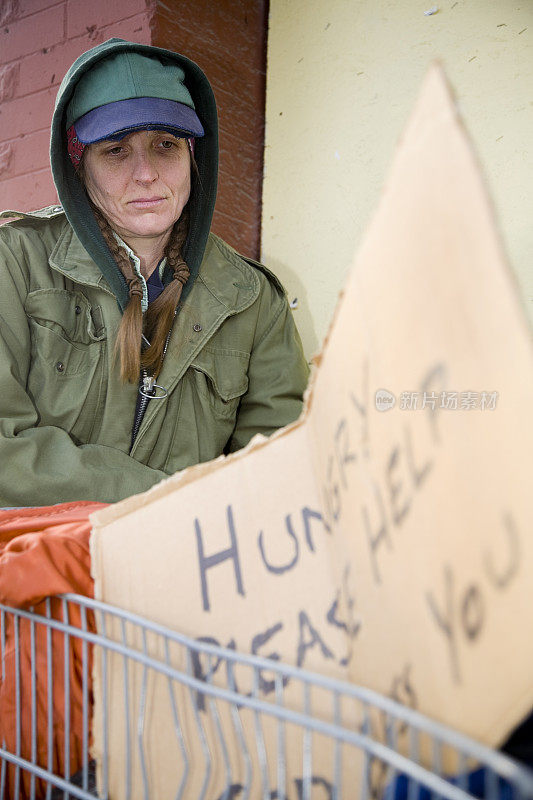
<point>66,371</point>
<point>221,377</point>
<point>69,314</point>
<point>202,411</point>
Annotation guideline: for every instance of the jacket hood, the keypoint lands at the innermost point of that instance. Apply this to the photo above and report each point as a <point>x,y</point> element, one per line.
<point>203,190</point>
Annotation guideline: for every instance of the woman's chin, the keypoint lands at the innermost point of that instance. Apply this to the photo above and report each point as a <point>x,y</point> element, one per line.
<point>145,226</point>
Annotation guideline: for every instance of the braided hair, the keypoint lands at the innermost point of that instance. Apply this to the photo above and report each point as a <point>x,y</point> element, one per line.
<point>156,323</point>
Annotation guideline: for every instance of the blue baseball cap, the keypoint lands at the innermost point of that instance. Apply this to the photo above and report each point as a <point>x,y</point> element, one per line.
<point>117,119</point>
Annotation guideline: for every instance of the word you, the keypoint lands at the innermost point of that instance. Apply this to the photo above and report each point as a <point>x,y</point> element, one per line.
<point>460,613</point>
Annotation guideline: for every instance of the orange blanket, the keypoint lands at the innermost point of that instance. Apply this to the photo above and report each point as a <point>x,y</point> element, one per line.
<point>43,552</point>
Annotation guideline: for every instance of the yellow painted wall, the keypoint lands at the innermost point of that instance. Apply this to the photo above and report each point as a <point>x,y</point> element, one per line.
<point>342,78</point>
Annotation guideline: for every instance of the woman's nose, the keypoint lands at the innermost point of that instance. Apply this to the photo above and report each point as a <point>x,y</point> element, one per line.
<point>144,169</point>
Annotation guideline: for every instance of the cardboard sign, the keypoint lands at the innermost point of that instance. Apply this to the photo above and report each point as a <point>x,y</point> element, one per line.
<point>384,537</point>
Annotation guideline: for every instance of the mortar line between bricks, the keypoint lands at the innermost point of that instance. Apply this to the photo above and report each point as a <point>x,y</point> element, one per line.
<point>109,25</point>
<point>30,94</point>
<point>34,13</point>
<point>30,172</point>
<point>20,138</point>
<point>66,40</point>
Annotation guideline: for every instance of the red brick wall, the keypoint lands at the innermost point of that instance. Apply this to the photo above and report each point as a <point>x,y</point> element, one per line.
<point>39,40</point>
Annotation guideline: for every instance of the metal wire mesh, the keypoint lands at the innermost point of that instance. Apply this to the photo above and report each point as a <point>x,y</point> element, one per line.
<point>225,725</point>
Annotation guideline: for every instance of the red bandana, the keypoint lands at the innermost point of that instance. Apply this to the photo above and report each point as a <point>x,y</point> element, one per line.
<point>75,147</point>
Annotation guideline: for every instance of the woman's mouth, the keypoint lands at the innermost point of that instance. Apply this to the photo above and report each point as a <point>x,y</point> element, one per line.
<point>146,202</point>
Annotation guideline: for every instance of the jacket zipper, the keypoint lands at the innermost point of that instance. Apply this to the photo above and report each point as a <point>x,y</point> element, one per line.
<point>146,388</point>
<point>141,408</point>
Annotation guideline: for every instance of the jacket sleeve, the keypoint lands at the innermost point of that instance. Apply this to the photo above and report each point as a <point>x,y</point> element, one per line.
<point>42,465</point>
<point>277,373</point>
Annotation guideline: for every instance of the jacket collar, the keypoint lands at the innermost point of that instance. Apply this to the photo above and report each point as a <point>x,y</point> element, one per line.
<point>70,258</point>
<point>226,277</point>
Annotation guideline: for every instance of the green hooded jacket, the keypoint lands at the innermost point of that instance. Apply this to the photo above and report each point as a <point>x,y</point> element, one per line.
<point>234,365</point>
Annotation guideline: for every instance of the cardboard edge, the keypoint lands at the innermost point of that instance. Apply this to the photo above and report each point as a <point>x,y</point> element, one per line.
<point>188,475</point>
<point>436,71</point>
<point>318,357</point>
<point>512,718</point>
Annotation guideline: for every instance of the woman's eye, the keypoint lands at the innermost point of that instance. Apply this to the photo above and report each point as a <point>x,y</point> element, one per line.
<point>167,144</point>
<point>115,151</point>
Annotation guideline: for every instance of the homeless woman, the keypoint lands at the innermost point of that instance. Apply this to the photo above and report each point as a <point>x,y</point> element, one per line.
<point>134,342</point>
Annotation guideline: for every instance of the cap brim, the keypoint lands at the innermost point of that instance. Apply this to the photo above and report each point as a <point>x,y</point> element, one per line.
<point>116,120</point>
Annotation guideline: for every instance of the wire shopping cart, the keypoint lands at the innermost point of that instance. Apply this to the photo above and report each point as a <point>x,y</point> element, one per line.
<point>240,726</point>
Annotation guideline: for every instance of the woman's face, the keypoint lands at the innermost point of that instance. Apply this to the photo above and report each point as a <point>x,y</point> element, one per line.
<point>140,183</point>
